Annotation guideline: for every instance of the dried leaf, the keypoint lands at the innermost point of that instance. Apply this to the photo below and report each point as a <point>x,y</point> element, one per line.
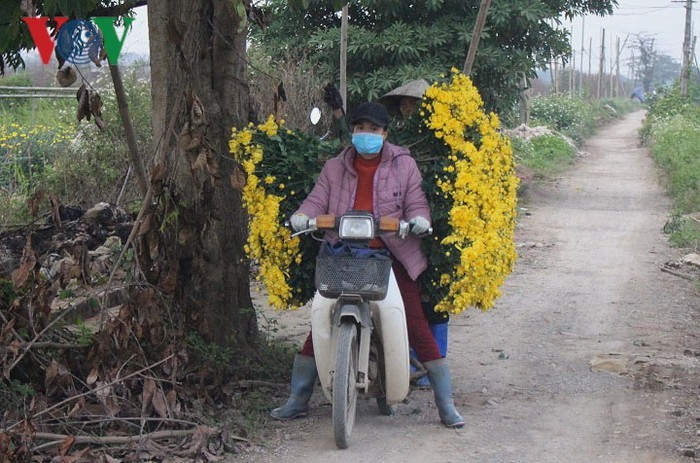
<point>6,332</point>
<point>159,404</point>
<point>95,103</point>
<point>55,210</point>
<point>34,201</point>
<point>200,437</point>
<point>189,139</point>
<point>66,76</point>
<point>212,166</point>
<point>92,377</point>
<point>153,247</point>
<point>168,281</point>
<point>66,445</point>
<point>58,379</point>
<point>50,379</point>
<point>14,347</point>
<point>27,265</point>
<point>76,408</point>
<point>146,224</point>
<point>83,103</point>
<point>100,123</point>
<point>69,268</point>
<point>197,112</point>
<point>95,48</point>
<point>158,173</point>
<point>77,456</point>
<point>201,161</point>
<point>238,178</point>
<point>171,399</point>
<point>61,61</point>
<point>149,388</point>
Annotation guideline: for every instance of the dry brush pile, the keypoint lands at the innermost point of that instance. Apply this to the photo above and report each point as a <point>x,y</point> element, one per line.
<point>95,368</point>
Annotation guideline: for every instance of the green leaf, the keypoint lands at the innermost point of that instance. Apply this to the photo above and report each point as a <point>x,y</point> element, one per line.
<point>66,8</point>
<point>240,9</point>
<point>339,4</point>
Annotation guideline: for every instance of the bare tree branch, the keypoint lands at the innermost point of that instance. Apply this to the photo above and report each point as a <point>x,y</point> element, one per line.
<point>92,391</point>
<point>118,10</point>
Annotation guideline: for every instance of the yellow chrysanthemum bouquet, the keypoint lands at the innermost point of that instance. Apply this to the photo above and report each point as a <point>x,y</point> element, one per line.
<point>469,178</point>
<point>470,181</point>
<point>279,168</point>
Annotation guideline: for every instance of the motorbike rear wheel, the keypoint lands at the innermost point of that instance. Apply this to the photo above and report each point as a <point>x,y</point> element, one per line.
<point>345,383</point>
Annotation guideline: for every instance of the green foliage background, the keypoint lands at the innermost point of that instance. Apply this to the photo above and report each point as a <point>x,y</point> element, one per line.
<point>672,131</point>
<point>391,42</point>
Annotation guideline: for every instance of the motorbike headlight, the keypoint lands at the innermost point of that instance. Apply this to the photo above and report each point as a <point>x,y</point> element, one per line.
<point>356,227</point>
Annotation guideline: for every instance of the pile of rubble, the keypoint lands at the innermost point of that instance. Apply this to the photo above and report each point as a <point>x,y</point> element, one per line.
<point>74,244</point>
<point>527,133</point>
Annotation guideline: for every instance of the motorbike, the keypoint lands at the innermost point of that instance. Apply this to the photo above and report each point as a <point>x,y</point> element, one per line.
<point>358,322</point>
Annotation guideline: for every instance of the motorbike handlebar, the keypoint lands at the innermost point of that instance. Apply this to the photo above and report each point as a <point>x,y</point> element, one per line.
<point>382,224</point>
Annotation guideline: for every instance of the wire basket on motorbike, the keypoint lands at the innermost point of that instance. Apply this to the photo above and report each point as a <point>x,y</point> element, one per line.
<point>353,269</point>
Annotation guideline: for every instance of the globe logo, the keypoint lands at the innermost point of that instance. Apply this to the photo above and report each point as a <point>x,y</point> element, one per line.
<point>78,42</point>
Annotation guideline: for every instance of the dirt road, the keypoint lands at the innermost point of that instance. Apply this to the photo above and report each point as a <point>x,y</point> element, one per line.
<point>590,355</point>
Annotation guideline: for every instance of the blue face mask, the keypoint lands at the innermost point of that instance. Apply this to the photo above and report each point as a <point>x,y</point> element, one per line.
<point>367,143</point>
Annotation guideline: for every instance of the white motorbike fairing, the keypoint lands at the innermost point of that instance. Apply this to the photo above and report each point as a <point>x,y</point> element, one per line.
<point>389,321</point>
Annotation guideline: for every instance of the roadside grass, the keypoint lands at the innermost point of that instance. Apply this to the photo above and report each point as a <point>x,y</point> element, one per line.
<point>546,155</point>
<point>44,151</point>
<point>577,119</point>
<point>672,132</point>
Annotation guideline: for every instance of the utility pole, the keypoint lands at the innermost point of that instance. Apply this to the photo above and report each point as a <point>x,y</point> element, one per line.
<point>344,56</point>
<point>686,47</point>
<point>601,66</point>
<point>580,74</point>
<point>617,68</point>
<point>589,75</point>
<point>476,35</point>
<point>612,67</point>
<point>692,54</point>
<point>572,70</point>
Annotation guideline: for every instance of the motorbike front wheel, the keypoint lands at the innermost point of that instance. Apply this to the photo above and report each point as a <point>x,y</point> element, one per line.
<point>345,383</point>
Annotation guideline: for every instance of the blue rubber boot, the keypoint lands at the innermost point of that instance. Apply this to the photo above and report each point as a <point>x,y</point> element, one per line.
<point>304,376</point>
<point>440,334</point>
<point>439,376</point>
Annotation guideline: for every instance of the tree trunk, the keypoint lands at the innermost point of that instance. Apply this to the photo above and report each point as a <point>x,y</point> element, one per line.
<point>200,91</point>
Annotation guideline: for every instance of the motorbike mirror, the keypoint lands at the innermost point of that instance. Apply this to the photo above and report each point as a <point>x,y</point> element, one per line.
<point>315,115</point>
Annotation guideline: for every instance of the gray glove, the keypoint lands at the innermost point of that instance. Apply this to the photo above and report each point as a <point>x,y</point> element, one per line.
<point>299,221</point>
<point>419,225</point>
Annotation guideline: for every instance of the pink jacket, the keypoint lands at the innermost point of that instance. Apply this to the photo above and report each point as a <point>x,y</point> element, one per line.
<point>398,193</point>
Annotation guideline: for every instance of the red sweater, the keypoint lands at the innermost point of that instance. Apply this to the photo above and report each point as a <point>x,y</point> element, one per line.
<point>364,196</point>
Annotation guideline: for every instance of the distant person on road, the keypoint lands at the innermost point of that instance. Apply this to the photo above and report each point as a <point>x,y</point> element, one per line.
<point>638,93</point>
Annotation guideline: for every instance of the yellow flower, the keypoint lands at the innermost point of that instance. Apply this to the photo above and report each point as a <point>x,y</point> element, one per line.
<point>482,194</point>
<point>269,242</point>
